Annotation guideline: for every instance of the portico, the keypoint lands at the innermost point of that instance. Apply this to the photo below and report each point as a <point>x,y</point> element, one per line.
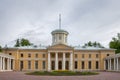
<point>6,62</point>
<point>60,61</point>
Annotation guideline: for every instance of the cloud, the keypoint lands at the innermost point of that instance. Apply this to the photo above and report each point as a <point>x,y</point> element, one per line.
<point>85,20</point>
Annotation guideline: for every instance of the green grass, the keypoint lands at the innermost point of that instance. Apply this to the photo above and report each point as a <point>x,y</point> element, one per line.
<point>61,73</point>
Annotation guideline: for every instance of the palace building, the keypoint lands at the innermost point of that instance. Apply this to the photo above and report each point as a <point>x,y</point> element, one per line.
<point>58,56</point>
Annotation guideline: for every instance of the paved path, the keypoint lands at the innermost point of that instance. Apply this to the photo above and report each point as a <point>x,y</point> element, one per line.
<point>22,76</point>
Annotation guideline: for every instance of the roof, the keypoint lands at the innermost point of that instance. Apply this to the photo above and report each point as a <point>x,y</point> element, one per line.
<point>59,31</point>
<point>28,47</point>
<point>74,47</point>
<point>91,48</point>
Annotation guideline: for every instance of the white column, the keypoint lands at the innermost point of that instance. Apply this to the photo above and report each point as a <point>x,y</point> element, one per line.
<point>114,64</point>
<point>13,64</point>
<point>117,64</point>
<point>104,64</point>
<point>63,65</point>
<point>56,61</point>
<point>108,61</point>
<point>3,63</point>
<point>110,64</point>
<point>49,62</point>
<point>10,64</point>
<point>71,61</point>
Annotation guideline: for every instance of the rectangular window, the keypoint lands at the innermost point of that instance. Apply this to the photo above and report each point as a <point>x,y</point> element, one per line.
<point>43,64</point>
<point>76,65</point>
<point>89,64</point>
<point>43,55</point>
<point>96,55</point>
<point>89,55</point>
<point>29,55</point>
<point>97,65</point>
<point>21,65</point>
<point>60,37</point>
<point>83,64</point>
<point>36,64</point>
<point>83,55</point>
<point>36,55</point>
<point>75,55</point>
<point>21,55</point>
<point>29,64</point>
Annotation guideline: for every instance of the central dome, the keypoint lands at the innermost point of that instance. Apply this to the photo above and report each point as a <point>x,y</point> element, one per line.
<point>59,31</point>
<point>59,36</point>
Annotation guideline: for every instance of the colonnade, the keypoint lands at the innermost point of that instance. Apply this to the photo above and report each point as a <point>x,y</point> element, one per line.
<point>6,62</point>
<point>112,63</point>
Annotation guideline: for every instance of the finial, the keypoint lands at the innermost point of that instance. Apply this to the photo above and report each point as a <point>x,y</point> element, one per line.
<point>59,21</point>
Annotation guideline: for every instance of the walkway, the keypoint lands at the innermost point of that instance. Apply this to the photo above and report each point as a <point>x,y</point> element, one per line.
<point>22,76</point>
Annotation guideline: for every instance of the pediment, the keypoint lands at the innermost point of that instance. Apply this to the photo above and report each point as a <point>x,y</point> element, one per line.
<point>60,46</point>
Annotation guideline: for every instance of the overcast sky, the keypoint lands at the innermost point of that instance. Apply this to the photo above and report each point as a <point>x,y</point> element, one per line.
<point>85,20</point>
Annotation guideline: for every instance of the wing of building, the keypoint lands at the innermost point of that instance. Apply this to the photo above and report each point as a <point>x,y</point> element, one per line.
<point>58,56</point>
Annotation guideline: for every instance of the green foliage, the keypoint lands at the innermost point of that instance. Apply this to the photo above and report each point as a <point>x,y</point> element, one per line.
<point>22,42</point>
<point>17,43</point>
<point>61,73</point>
<point>115,43</point>
<point>93,44</point>
<point>0,49</point>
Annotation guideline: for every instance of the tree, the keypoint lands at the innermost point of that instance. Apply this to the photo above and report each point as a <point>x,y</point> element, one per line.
<point>25,42</point>
<point>115,43</point>
<point>93,44</point>
<point>22,42</point>
<point>17,43</point>
<point>0,49</point>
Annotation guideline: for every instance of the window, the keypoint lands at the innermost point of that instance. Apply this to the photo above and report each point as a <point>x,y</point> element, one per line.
<point>21,55</point>
<point>76,65</point>
<point>75,55</point>
<point>83,64</point>
<point>108,54</point>
<point>43,55</point>
<point>10,53</point>
<point>97,64</point>
<point>60,37</point>
<point>67,55</point>
<point>89,55</point>
<point>65,39</point>
<point>83,56</point>
<point>21,65</point>
<point>36,64</point>
<point>43,64</point>
<point>29,55</point>
<point>53,55</point>
<point>89,64</point>
<point>36,55</point>
<point>29,64</point>
<point>96,55</point>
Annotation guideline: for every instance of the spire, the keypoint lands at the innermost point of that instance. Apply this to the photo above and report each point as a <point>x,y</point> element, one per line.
<point>59,21</point>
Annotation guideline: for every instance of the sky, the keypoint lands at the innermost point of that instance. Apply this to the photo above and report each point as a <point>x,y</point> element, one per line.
<point>85,20</point>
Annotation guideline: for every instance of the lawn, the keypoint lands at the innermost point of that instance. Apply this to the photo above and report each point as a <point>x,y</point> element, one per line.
<point>61,73</point>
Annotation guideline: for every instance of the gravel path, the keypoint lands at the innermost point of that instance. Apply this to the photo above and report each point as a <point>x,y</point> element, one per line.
<point>22,76</point>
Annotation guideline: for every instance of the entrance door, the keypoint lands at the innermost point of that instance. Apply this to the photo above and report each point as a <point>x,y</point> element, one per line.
<point>60,65</point>
<point>53,65</point>
<point>67,65</point>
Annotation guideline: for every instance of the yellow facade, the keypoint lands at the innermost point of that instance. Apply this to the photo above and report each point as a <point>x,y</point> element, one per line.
<point>41,55</point>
